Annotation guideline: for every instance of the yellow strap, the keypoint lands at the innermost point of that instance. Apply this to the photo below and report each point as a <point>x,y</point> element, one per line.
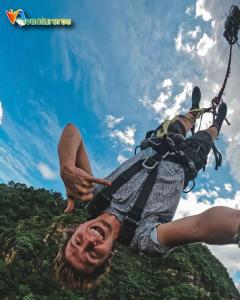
<point>199,112</point>
<point>164,128</point>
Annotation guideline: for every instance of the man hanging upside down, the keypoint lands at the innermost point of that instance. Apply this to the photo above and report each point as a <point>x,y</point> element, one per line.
<point>87,253</point>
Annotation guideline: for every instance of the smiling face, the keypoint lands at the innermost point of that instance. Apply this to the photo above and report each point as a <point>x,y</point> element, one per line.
<point>90,245</point>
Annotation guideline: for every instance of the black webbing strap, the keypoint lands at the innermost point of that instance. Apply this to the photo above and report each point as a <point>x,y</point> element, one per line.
<point>149,162</point>
<point>123,178</point>
<point>133,217</point>
<point>103,198</point>
<point>218,156</point>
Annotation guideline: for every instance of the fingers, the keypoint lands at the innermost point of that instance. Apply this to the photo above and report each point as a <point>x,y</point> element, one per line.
<point>86,184</point>
<point>98,180</point>
<point>79,190</point>
<point>87,197</point>
<point>84,197</point>
<point>70,206</point>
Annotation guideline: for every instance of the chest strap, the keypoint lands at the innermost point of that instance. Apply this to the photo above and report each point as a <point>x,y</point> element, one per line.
<point>103,198</point>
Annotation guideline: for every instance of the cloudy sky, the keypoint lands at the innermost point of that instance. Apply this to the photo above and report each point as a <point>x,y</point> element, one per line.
<point>121,69</point>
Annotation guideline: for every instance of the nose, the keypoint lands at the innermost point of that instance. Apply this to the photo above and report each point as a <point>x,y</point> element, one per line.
<point>92,238</point>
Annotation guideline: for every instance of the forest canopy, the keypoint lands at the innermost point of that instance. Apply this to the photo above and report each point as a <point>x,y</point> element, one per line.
<point>31,223</point>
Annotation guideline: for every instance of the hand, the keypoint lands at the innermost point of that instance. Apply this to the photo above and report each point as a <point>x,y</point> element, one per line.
<point>79,185</point>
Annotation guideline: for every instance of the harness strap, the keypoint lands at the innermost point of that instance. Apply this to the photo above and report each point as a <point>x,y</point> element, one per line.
<point>123,178</point>
<point>133,217</point>
<point>162,130</point>
<point>218,156</point>
<point>103,198</point>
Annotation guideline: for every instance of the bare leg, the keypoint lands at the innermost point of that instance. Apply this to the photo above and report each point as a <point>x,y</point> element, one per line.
<point>216,225</point>
<point>187,120</point>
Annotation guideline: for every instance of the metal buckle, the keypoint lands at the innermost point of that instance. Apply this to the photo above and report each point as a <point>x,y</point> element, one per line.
<point>156,138</point>
<point>130,220</point>
<point>170,141</point>
<point>149,167</point>
<point>128,230</point>
<point>165,155</point>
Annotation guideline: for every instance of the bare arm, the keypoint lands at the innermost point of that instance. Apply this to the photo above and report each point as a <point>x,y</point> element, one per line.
<point>71,150</point>
<point>75,168</point>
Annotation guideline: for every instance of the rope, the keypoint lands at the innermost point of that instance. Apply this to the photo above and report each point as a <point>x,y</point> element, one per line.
<point>216,100</point>
<point>219,96</point>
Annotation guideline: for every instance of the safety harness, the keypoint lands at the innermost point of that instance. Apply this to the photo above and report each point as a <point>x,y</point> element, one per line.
<point>166,147</point>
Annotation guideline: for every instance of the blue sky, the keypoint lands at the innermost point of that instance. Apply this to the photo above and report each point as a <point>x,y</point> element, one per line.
<point>122,68</point>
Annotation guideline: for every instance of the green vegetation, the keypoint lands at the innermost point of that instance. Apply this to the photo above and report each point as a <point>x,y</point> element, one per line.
<point>29,230</point>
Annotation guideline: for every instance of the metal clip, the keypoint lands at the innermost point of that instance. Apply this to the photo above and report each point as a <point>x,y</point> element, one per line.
<point>170,142</point>
<point>132,221</point>
<point>149,167</point>
<point>151,140</point>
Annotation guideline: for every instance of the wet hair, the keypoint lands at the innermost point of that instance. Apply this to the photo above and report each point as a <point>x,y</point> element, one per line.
<point>72,278</point>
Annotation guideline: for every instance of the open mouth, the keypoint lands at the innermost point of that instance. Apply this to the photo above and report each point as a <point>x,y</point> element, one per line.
<point>98,232</point>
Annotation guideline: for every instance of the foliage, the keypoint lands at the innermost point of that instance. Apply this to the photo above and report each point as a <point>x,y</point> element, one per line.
<point>29,232</point>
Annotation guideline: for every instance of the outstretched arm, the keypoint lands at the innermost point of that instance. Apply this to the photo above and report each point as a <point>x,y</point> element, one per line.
<point>75,167</point>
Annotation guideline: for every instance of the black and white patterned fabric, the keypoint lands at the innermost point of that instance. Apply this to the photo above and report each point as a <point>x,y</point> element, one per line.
<point>161,205</point>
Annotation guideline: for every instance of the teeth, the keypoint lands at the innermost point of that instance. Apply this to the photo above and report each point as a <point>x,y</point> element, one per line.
<point>97,233</point>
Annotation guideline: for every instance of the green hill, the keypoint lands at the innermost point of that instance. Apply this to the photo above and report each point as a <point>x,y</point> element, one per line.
<point>29,219</point>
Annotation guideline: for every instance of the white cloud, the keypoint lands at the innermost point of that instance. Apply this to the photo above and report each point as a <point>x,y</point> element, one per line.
<point>167,83</point>
<point>228,187</point>
<point>28,143</point>
<point>12,167</point>
<point>180,46</point>
<point>161,102</point>
<point>164,104</point>
<point>201,10</point>
<point>121,159</point>
<point>46,171</point>
<point>193,33</point>
<point>1,113</point>
<point>191,206</point>
<point>126,136</point>
<point>204,45</point>
<point>233,135</point>
<point>227,254</point>
<point>112,121</point>
<point>189,10</point>
<point>179,99</point>
<point>156,105</point>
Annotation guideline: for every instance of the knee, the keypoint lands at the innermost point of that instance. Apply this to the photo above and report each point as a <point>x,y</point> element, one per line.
<point>213,132</point>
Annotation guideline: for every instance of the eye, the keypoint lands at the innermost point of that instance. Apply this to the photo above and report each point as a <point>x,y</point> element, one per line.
<point>77,242</point>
